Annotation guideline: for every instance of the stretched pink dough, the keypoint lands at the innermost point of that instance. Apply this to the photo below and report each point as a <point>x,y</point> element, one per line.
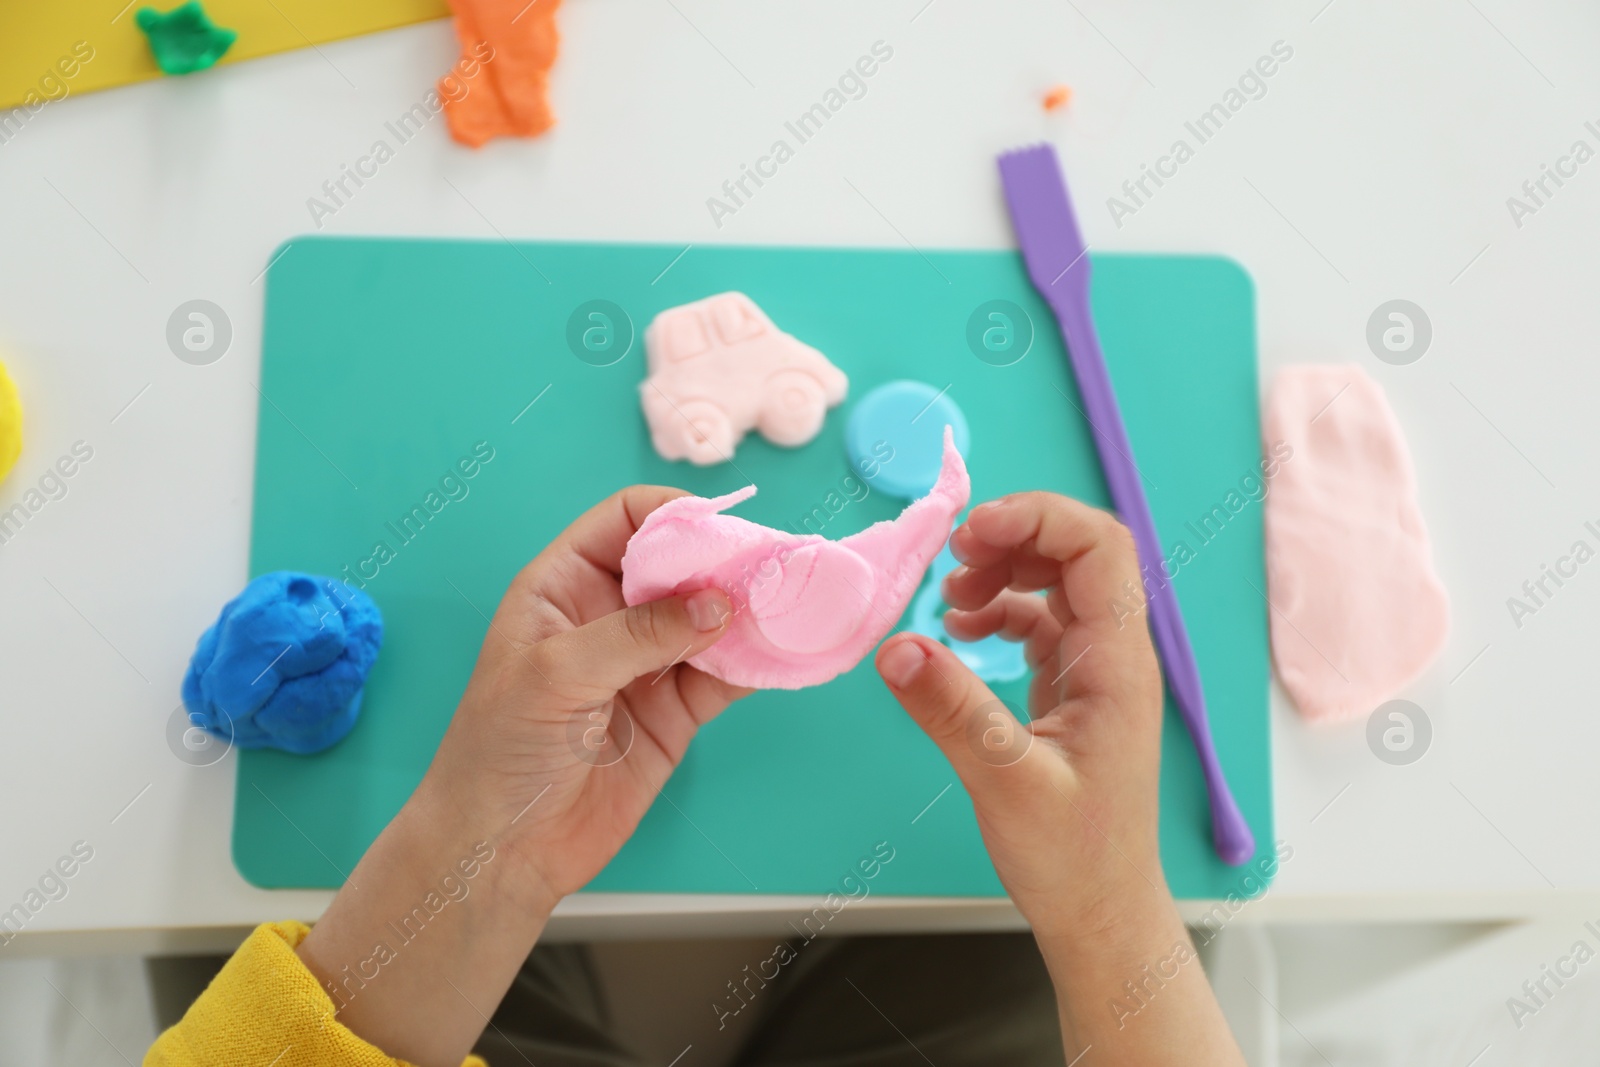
<point>806,609</point>
<point>1358,612</point>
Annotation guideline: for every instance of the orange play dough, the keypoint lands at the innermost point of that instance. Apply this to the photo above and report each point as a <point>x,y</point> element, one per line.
<point>1057,97</point>
<point>508,99</point>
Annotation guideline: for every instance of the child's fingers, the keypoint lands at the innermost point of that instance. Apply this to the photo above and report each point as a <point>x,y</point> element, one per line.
<point>1055,526</point>
<point>987,747</point>
<point>613,650</point>
<point>988,568</point>
<point>672,705</point>
<point>1096,561</point>
<point>575,579</point>
<point>703,695</point>
<point>1015,617</point>
<point>970,588</point>
<point>1023,570</point>
<point>600,535</point>
<point>1027,618</point>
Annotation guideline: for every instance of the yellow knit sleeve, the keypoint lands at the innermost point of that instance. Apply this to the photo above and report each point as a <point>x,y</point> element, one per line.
<point>264,1007</point>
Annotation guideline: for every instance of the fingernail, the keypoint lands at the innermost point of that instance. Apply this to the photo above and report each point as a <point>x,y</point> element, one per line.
<point>901,664</point>
<point>708,609</point>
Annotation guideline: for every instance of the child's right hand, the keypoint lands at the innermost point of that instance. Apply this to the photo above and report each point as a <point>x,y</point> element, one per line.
<point>1067,804</point>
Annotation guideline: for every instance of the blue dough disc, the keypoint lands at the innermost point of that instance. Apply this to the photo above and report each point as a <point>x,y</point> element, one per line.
<point>908,417</point>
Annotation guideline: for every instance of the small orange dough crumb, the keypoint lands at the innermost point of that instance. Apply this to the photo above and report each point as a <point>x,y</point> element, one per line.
<point>1058,97</point>
<point>498,87</point>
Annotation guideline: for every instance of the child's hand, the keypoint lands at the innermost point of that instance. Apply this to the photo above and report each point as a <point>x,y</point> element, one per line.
<point>1068,804</point>
<point>522,769</point>
<point>579,707</point>
<point>528,796</point>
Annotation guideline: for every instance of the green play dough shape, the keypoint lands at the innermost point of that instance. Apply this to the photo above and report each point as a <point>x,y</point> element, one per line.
<point>184,40</point>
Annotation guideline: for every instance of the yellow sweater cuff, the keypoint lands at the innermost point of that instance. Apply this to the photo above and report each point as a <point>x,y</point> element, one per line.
<point>264,1007</point>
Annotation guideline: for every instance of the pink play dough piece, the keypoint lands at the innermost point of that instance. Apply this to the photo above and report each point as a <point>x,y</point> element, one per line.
<point>1358,612</point>
<point>719,368</point>
<point>806,609</point>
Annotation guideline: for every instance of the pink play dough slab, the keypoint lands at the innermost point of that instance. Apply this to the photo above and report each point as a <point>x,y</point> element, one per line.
<point>806,609</point>
<point>1358,612</point>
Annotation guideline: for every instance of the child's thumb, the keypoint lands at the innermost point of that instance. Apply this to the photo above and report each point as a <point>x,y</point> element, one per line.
<point>615,649</point>
<point>977,733</point>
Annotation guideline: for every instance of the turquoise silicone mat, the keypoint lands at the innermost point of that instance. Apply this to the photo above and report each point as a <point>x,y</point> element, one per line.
<point>386,361</point>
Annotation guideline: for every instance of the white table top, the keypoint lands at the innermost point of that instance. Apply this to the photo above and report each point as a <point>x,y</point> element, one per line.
<point>1376,165</point>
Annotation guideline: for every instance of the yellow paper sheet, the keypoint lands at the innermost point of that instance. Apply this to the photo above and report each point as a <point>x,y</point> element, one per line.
<point>42,40</point>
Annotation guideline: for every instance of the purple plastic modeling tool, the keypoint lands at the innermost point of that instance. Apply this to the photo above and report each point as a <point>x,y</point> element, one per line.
<point>1058,263</point>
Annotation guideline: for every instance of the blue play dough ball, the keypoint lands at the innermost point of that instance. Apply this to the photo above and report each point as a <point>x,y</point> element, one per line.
<point>283,665</point>
<point>910,417</point>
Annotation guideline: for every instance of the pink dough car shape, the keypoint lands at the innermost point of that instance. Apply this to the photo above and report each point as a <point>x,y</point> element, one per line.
<point>720,368</point>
